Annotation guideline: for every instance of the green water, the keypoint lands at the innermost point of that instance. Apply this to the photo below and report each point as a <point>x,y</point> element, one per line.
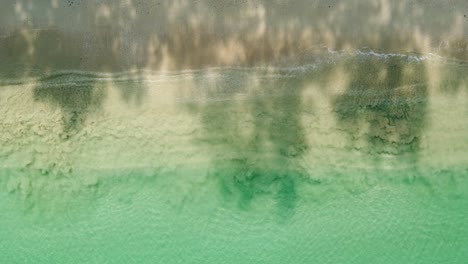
<point>167,220</point>
<point>238,165</point>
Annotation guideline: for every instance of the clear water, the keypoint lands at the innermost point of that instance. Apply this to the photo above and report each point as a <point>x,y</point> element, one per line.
<point>350,158</point>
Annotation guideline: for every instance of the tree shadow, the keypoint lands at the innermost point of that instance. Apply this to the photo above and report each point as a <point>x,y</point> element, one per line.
<point>256,139</point>
<point>133,89</point>
<point>76,96</point>
<point>454,77</point>
<point>384,106</point>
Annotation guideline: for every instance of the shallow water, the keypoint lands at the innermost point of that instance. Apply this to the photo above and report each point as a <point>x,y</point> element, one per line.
<point>349,157</point>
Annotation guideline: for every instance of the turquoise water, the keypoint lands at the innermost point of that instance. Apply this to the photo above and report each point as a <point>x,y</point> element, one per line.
<point>167,220</point>
<point>238,165</point>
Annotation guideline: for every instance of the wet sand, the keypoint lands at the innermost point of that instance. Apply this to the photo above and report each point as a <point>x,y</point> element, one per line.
<point>174,35</point>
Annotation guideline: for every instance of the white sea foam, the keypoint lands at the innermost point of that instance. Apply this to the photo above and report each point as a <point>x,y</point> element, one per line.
<point>278,70</point>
